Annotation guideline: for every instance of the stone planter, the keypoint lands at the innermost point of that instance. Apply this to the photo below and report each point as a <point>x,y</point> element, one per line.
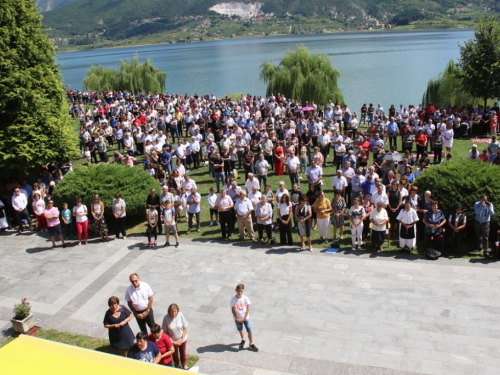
<point>23,326</point>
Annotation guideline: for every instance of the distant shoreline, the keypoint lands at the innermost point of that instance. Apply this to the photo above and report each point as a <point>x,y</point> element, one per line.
<point>396,29</point>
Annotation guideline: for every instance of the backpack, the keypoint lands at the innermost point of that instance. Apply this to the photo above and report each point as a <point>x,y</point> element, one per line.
<point>431,254</point>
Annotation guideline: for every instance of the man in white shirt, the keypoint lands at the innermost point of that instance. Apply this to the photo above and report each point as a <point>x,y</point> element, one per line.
<point>20,204</point>
<point>314,175</point>
<point>339,182</point>
<point>188,183</point>
<point>195,152</point>
<point>324,144</point>
<point>139,297</point>
<point>380,196</point>
<point>244,208</point>
<point>251,182</point>
<point>292,164</point>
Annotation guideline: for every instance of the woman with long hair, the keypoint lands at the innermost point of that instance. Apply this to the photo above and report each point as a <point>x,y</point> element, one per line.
<point>284,220</point>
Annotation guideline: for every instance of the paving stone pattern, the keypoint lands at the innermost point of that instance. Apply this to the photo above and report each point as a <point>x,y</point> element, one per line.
<point>312,313</point>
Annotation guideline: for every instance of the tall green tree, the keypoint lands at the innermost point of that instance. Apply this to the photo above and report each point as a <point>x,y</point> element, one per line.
<point>35,127</point>
<point>448,89</point>
<point>132,76</point>
<point>303,76</point>
<point>479,61</point>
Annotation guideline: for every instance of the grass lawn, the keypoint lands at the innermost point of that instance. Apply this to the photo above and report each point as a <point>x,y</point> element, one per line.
<point>83,341</point>
<point>204,182</point>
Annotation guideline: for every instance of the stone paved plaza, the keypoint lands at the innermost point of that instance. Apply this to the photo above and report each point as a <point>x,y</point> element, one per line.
<point>312,313</point>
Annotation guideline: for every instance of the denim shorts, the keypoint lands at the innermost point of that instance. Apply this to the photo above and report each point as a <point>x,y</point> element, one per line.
<point>239,326</point>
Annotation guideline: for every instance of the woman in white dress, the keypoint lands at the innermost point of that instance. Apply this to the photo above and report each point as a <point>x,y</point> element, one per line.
<point>448,138</point>
<point>407,229</point>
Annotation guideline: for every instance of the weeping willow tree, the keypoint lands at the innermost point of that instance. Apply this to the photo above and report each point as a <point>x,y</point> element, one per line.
<point>447,89</point>
<point>131,76</point>
<point>303,76</point>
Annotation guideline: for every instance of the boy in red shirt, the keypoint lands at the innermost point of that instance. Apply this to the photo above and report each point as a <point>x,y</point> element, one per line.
<point>163,343</point>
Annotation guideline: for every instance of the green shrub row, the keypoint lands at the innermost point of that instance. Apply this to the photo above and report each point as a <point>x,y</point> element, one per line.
<point>133,184</point>
<point>461,183</point>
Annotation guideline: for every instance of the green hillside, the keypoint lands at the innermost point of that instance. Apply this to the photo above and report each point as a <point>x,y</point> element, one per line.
<point>104,22</point>
<point>46,5</point>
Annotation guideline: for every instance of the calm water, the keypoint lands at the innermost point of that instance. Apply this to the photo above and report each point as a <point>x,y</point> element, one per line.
<point>385,67</point>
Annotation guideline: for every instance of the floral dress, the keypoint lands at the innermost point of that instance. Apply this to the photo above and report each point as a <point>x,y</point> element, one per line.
<point>338,206</point>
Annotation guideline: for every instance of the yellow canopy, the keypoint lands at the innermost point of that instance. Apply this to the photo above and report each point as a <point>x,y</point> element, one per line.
<point>32,355</point>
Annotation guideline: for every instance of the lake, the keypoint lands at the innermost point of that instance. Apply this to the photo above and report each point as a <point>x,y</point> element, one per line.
<point>391,67</point>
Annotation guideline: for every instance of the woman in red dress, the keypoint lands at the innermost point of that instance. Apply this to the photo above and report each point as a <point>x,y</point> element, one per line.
<point>278,160</point>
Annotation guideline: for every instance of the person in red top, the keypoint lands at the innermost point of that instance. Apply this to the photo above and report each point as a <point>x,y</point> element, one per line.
<point>142,118</point>
<point>163,343</point>
<point>421,140</point>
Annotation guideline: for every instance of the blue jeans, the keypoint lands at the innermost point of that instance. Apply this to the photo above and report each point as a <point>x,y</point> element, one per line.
<point>262,178</point>
<point>174,132</point>
<point>220,175</point>
<point>239,326</point>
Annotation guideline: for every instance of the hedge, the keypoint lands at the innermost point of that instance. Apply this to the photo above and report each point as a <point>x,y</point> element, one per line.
<point>133,184</point>
<point>461,183</point>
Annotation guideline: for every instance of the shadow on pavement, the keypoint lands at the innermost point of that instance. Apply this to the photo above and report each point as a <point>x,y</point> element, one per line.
<point>218,348</point>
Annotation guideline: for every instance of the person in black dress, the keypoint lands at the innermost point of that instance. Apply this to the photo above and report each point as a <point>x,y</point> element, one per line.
<point>116,321</point>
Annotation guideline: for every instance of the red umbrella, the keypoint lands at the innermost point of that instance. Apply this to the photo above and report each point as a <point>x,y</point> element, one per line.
<point>308,109</point>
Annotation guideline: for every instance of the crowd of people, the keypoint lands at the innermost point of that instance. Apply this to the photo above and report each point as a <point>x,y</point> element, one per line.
<point>373,156</point>
<point>166,343</point>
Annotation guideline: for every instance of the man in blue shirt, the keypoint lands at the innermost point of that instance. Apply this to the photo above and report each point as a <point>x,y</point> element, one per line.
<point>166,160</point>
<point>483,212</point>
<point>392,132</point>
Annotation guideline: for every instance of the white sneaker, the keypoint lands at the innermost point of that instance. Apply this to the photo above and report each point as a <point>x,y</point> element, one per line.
<point>211,223</point>
<point>217,222</point>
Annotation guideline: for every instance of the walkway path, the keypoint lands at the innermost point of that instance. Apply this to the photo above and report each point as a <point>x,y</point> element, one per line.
<point>312,313</point>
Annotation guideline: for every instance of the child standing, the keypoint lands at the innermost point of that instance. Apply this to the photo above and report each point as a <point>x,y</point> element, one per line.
<point>169,220</point>
<point>67,222</point>
<point>212,197</point>
<point>240,307</point>
<point>152,219</point>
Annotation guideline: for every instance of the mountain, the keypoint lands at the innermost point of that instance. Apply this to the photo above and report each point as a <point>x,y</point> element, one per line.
<point>114,20</point>
<point>46,5</point>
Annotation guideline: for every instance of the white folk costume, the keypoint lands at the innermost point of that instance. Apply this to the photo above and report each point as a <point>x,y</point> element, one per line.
<point>407,236</point>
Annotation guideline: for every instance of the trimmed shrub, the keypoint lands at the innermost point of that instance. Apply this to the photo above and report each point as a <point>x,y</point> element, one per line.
<point>461,183</point>
<point>133,184</point>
